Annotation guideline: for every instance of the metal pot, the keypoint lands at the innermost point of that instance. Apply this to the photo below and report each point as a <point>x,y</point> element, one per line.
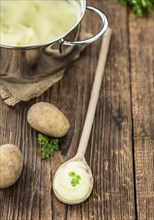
<point>30,63</point>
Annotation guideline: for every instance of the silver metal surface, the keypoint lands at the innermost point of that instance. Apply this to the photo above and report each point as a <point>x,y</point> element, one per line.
<point>96,36</point>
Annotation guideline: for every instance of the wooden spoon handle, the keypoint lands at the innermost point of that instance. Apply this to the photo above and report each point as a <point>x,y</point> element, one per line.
<point>94,94</point>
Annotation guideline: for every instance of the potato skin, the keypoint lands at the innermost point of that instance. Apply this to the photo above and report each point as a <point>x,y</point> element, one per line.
<point>48,119</point>
<point>11,163</point>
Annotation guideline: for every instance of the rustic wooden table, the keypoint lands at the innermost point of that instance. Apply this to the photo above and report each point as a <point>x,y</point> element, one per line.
<point>121,146</point>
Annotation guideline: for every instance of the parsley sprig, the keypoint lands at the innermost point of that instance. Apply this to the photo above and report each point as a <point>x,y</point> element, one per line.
<point>139,7</point>
<point>75,178</point>
<point>48,146</point>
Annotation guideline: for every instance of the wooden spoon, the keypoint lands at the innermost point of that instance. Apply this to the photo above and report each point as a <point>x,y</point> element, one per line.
<point>88,121</point>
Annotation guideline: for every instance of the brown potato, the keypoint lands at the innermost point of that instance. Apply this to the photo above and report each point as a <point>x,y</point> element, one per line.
<point>48,119</point>
<point>11,163</point>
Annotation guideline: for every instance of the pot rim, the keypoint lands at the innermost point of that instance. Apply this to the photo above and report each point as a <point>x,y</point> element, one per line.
<point>83,9</point>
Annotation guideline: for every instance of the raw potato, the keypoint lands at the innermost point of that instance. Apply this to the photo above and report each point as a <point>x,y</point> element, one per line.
<point>11,163</point>
<point>48,119</point>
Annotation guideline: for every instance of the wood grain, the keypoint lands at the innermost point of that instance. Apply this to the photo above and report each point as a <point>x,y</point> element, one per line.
<point>142,83</point>
<point>120,150</point>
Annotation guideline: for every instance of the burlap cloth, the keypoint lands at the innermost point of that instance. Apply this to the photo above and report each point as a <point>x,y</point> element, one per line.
<point>12,93</point>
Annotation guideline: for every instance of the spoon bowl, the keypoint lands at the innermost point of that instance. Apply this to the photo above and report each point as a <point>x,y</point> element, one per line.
<point>88,170</point>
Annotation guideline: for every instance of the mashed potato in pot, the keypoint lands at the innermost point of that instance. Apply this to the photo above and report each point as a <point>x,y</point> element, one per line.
<point>31,22</point>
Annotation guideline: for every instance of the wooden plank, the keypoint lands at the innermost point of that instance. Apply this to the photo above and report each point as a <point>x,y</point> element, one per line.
<point>116,125</point>
<point>142,75</point>
<point>110,147</point>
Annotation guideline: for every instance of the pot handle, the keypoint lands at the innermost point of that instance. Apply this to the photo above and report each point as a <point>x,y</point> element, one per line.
<point>96,36</point>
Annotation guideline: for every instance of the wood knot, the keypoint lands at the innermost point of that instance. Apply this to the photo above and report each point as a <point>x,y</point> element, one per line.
<point>118,119</point>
